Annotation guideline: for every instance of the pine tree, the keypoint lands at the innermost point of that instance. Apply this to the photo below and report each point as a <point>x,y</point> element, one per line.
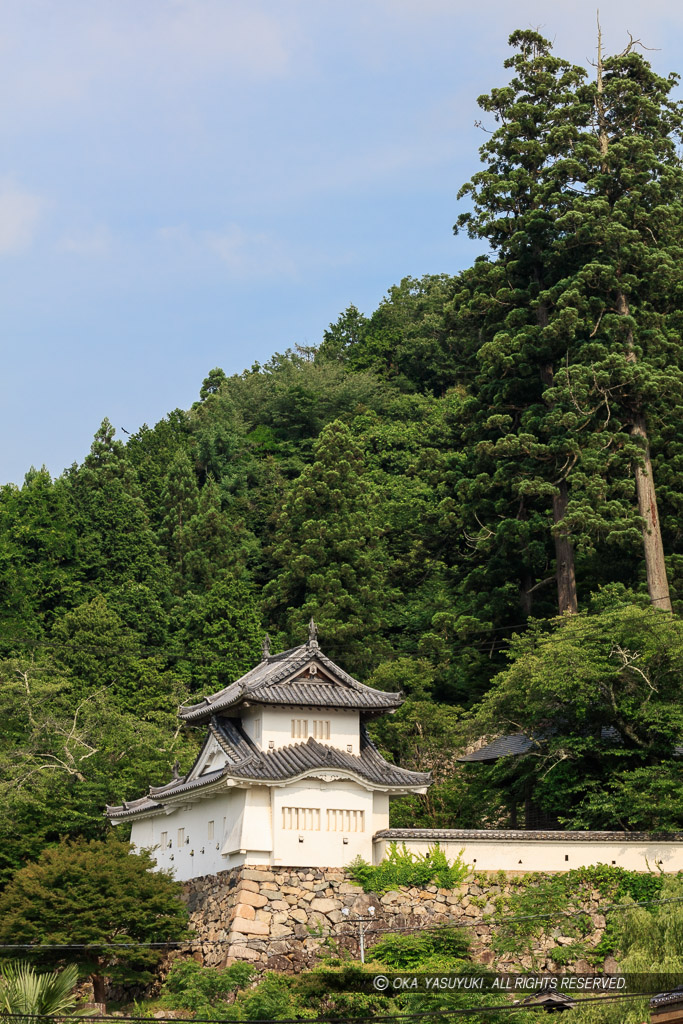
<point>96,895</point>
<point>214,541</point>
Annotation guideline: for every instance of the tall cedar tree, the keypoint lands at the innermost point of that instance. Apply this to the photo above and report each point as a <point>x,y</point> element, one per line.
<point>180,498</point>
<point>330,554</point>
<point>219,632</point>
<point>627,223</point>
<point>533,441</point>
<point>116,542</point>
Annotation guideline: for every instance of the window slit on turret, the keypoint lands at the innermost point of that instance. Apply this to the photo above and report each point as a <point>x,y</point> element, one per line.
<point>339,820</point>
<point>320,728</point>
<point>301,819</point>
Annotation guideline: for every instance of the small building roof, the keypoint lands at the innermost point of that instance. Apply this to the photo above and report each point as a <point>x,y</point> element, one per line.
<point>300,677</point>
<point>502,746</point>
<point>519,743</point>
<point>247,763</point>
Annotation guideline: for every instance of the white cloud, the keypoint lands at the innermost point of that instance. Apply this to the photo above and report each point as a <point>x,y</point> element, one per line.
<point>20,213</point>
<point>252,254</point>
<point>247,39</point>
<point>89,243</point>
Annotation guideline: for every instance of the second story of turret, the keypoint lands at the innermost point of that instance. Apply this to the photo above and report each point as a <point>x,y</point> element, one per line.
<point>271,728</point>
<point>295,696</point>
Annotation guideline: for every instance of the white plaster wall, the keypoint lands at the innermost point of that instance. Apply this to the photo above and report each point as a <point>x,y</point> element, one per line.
<point>344,727</point>
<point>252,719</point>
<point>321,848</point>
<point>257,828</point>
<point>188,860</point>
<point>549,855</point>
<point>380,813</point>
<point>212,758</point>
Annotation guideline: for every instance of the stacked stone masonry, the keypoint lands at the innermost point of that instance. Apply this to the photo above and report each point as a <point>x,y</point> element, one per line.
<point>285,919</point>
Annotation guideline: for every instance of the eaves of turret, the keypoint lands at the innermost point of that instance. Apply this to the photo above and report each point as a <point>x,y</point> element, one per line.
<point>278,681</point>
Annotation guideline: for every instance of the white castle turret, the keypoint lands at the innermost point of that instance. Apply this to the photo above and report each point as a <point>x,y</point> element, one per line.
<point>287,774</point>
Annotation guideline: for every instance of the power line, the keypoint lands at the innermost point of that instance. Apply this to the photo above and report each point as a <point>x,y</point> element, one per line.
<point>433,928</point>
<point>411,1016</point>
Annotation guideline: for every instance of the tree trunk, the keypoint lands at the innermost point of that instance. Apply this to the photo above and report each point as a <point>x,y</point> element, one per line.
<point>653,547</point>
<point>98,988</point>
<point>564,555</point>
<point>657,582</point>
<point>567,601</point>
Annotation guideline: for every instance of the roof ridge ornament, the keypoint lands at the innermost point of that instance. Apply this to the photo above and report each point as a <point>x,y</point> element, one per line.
<point>266,647</point>
<point>312,633</point>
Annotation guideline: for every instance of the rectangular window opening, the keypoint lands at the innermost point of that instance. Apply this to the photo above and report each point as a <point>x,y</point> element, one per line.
<point>210,830</point>
<point>301,819</point>
<point>341,820</point>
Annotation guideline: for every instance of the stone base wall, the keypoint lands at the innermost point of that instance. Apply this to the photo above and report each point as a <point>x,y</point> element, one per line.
<point>284,919</point>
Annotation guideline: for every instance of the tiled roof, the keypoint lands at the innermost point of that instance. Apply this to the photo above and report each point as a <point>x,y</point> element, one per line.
<point>518,743</point>
<point>249,764</point>
<point>503,746</point>
<point>131,807</point>
<point>438,835</point>
<point>275,681</point>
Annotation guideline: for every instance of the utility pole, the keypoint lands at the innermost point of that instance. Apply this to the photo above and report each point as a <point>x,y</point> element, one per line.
<point>362,922</point>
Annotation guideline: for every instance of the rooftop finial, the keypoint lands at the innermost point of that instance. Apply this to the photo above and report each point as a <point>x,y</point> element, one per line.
<point>266,647</point>
<point>312,633</point>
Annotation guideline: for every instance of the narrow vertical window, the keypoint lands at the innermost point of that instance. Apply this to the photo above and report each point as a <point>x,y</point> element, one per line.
<point>210,830</point>
<point>181,836</point>
<point>163,840</point>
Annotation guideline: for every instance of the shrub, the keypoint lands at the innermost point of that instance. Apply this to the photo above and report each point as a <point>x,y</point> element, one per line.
<point>201,989</point>
<point>401,867</point>
<point>420,949</point>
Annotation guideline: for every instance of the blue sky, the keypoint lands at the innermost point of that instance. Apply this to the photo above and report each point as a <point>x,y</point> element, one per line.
<point>195,183</point>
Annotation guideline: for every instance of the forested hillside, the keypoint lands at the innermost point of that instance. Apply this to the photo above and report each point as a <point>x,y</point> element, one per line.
<point>464,488</point>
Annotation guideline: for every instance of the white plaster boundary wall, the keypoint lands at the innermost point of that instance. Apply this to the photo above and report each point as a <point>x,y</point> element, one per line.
<point>541,851</point>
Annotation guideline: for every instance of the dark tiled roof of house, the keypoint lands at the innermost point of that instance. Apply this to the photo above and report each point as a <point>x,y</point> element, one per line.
<point>518,743</point>
<point>284,680</point>
<point>503,746</point>
<point>245,762</point>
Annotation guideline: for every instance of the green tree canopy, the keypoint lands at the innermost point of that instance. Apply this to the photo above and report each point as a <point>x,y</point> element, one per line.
<point>600,695</point>
<point>100,895</point>
<point>330,554</point>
